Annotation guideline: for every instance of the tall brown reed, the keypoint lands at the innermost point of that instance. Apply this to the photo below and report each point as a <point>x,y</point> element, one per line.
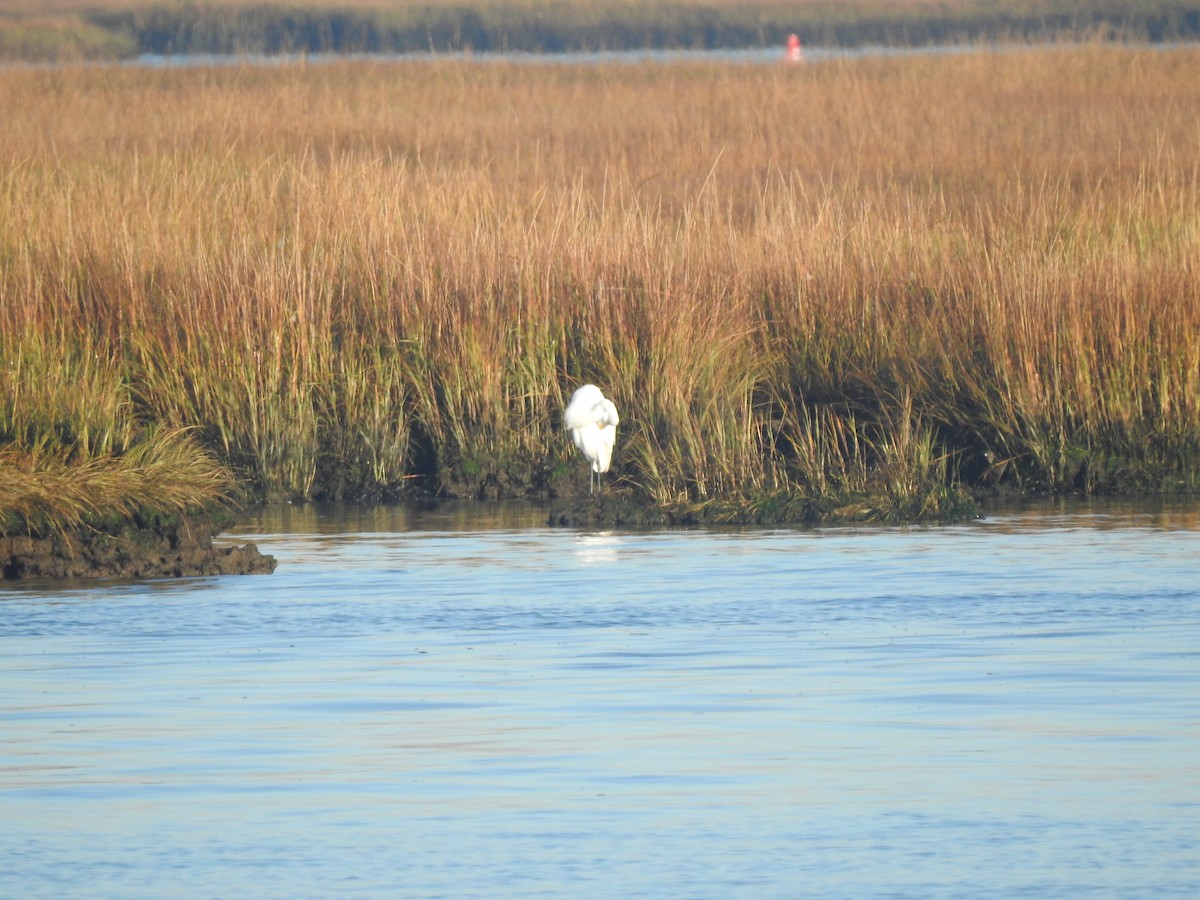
<point>357,278</point>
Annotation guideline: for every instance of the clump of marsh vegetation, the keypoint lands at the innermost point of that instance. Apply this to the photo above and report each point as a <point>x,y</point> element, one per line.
<point>87,490</point>
<point>855,289</point>
<point>38,37</point>
<point>72,454</point>
<point>164,473</point>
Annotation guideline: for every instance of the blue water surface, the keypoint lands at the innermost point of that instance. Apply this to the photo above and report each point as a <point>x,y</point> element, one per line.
<point>461,703</point>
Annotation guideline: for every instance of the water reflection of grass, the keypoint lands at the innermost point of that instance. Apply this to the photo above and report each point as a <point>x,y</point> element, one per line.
<point>875,278</point>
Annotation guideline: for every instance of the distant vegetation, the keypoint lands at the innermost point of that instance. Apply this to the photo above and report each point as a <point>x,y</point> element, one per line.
<point>82,29</point>
<point>879,278</point>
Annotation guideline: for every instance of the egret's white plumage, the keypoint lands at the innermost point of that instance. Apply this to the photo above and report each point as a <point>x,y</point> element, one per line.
<point>592,420</point>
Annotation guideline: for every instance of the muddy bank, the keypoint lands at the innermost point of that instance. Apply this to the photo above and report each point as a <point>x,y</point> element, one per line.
<point>142,547</point>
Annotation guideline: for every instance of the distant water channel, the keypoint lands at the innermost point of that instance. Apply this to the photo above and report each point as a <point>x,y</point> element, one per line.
<point>746,56</point>
<point>752,56</point>
<point>462,703</point>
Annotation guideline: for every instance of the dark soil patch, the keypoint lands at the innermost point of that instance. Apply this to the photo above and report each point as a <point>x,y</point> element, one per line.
<point>145,547</point>
<point>609,511</point>
<point>621,510</point>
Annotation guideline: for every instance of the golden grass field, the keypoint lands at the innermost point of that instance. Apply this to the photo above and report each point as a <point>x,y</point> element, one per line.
<point>361,279</point>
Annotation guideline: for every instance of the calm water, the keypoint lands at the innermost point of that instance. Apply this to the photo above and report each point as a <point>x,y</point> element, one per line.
<point>462,703</point>
<point>754,56</point>
<point>773,55</point>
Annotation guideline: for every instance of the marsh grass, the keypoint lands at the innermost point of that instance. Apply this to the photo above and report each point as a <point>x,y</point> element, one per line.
<point>165,472</point>
<point>848,285</point>
<point>73,453</point>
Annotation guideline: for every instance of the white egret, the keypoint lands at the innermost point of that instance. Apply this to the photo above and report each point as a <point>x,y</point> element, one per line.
<point>592,420</point>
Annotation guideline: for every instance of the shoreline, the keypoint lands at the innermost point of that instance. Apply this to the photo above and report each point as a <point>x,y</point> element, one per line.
<point>142,547</point>
<point>157,547</point>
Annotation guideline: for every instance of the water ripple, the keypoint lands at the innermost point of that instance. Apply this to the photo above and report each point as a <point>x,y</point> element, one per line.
<point>432,708</point>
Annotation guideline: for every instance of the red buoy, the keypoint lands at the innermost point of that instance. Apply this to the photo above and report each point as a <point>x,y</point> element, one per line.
<point>794,53</point>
